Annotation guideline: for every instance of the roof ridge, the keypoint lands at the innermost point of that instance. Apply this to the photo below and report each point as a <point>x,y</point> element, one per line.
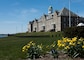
<point>65,12</point>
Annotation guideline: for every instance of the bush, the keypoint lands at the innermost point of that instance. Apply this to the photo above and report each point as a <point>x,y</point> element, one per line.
<point>73,47</point>
<point>32,50</point>
<point>74,31</point>
<point>52,30</point>
<point>42,31</point>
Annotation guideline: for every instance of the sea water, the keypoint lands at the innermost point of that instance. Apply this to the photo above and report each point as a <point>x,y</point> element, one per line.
<point>3,35</point>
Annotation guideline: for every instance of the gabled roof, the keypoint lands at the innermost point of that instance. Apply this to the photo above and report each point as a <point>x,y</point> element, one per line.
<point>65,12</point>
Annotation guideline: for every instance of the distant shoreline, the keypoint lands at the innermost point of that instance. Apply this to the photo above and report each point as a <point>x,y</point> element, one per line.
<point>3,35</point>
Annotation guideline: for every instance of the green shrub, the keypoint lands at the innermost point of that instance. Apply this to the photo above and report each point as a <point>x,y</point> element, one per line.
<point>74,31</point>
<point>32,50</point>
<point>73,47</point>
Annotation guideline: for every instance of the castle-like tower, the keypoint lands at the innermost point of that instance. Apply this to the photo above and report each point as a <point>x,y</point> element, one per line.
<point>50,10</point>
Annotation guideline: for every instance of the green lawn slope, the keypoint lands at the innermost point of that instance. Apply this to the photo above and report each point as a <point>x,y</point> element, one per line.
<point>10,47</point>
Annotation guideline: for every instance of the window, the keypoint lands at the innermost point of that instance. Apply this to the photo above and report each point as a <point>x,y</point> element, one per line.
<point>54,26</point>
<point>64,25</point>
<point>64,19</point>
<point>43,27</point>
<point>72,21</point>
<point>35,29</point>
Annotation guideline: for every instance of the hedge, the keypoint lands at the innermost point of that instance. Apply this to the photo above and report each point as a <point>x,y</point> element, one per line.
<point>74,31</point>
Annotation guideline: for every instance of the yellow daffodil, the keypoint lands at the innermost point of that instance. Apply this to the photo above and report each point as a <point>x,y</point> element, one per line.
<point>39,46</point>
<point>70,43</point>
<point>73,44</point>
<point>59,41</point>
<point>81,39</point>
<point>67,47</point>
<point>33,44</point>
<point>74,39</point>
<point>83,46</point>
<point>65,40</point>
<point>28,46</point>
<point>63,45</point>
<point>78,42</point>
<point>68,40</point>
<point>23,50</point>
<point>24,47</point>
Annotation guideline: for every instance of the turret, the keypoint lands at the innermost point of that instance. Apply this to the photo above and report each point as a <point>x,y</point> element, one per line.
<point>50,10</point>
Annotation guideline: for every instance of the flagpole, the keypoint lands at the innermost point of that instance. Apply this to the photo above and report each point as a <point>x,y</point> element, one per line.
<point>69,15</point>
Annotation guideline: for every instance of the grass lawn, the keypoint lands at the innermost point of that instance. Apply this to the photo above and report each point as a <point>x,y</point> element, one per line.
<point>10,47</point>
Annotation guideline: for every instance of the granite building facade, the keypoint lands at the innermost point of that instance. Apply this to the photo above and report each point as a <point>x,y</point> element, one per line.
<point>54,21</point>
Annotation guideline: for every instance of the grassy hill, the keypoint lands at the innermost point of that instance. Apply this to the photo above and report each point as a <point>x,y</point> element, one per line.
<point>48,34</point>
<point>10,47</point>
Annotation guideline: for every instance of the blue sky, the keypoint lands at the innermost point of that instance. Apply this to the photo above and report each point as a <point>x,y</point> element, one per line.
<point>15,14</point>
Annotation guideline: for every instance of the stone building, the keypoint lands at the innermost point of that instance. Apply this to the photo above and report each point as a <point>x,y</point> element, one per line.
<point>54,21</point>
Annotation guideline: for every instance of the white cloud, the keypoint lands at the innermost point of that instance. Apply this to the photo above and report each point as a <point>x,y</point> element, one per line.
<point>33,10</point>
<point>25,12</point>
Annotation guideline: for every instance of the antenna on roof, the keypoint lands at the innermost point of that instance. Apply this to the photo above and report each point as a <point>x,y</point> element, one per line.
<point>77,17</point>
<point>69,15</point>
